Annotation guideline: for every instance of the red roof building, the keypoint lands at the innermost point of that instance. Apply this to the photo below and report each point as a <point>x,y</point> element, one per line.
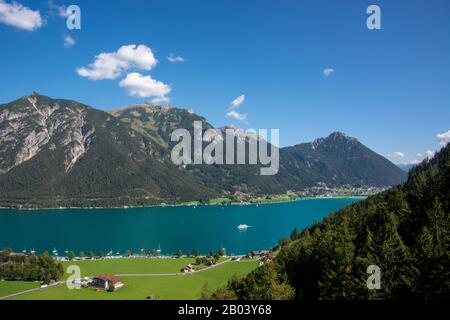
<point>107,282</point>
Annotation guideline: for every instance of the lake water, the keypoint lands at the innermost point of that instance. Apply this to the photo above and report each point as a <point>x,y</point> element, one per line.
<point>207,228</point>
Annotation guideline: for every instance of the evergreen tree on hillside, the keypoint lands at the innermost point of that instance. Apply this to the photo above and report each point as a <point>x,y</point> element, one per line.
<point>396,263</point>
<point>405,231</point>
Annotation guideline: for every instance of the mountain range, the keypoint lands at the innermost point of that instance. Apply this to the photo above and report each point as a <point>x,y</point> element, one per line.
<point>62,153</point>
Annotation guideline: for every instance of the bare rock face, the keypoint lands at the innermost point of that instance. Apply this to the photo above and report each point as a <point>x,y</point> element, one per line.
<point>78,147</point>
<point>33,124</point>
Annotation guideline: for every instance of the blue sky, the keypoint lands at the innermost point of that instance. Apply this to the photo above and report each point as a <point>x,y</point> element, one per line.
<point>389,88</point>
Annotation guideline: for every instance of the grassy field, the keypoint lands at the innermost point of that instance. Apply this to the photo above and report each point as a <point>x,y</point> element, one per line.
<point>190,203</point>
<point>164,287</point>
<point>129,266</point>
<point>11,287</point>
<point>219,200</point>
<point>274,199</point>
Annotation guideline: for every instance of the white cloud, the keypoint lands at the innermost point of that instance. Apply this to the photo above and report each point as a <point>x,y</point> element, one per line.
<point>56,9</point>
<point>236,115</point>
<point>412,162</point>
<point>237,102</point>
<point>141,86</point>
<point>111,65</point>
<point>16,15</point>
<point>160,100</point>
<point>444,138</point>
<point>429,154</point>
<point>68,41</point>
<point>328,72</point>
<point>175,58</point>
<point>396,154</point>
<point>105,66</point>
<point>141,56</point>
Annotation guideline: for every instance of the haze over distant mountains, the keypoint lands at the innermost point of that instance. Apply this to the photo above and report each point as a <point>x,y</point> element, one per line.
<point>56,152</point>
<point>406,166</point>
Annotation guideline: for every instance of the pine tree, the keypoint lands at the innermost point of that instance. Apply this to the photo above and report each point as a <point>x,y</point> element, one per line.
<point>366,246</point>
<point>196,252</point>
<point>206,292</point>
<point>294,234</point>
<point>71,255</point>
<point>397,268</point>
<point>439,228</point>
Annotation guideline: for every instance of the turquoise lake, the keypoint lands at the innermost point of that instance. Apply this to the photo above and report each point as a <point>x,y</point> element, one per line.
<point>207,228</point>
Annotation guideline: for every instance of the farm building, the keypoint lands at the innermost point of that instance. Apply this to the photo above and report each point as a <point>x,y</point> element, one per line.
<point>107,282</point>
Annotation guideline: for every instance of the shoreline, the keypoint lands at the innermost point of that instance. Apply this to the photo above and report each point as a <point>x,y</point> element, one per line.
<point>184,204</point>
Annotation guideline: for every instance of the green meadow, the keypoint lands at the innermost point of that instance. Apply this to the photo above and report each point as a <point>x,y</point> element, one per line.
<point>215,201</point>
<point>11,287</point>
<point>179,287</point>
<point>128,266</point>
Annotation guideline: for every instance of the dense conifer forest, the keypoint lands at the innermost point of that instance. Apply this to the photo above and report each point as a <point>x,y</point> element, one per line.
<point>404,231</point>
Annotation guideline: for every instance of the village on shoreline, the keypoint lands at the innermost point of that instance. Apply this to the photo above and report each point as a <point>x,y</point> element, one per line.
<point>241,198</point>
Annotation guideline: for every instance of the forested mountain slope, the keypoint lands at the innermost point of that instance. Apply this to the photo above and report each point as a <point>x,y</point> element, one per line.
<point>56,152</point>
<point>404,231</point>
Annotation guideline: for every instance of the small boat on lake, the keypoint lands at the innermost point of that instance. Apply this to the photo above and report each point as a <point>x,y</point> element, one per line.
<point>243,227</point>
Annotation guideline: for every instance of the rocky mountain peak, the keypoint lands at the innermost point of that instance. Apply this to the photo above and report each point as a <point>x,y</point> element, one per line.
<point>37,123</point>
<point>335,137</point>
<point>146,107</point>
